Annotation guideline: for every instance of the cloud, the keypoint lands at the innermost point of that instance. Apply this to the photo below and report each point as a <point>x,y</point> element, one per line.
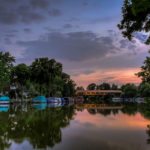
<point>55,12</point>
<point>7,41</point>
<point>73,46</point>
<point>40,4</point>
<point>7,16</point>
<point>10,1</point>
<point>27,12</point>
<point>85,3</point>
<point>27,30</point>
<point>66,26</point>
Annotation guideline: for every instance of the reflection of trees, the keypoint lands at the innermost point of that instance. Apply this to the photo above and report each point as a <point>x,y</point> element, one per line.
<point>130,109</point>
<point>104,112</point>
<point>41,128</point>
<point>148,132</point>
<point>92,111</point>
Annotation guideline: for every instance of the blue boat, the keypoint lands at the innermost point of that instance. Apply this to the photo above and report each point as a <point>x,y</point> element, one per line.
<point>39,99</point>
<point>4,100</point>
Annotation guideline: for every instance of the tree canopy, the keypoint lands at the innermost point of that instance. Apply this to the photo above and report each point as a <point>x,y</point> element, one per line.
<point>6,65</point>
<point>135,18</point>
<point>144,74</point>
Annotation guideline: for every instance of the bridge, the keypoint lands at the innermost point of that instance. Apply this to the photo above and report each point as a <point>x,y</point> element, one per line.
<point>96,92</point>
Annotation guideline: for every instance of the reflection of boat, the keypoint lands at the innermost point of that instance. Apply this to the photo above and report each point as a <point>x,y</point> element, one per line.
<point>40,106</point>
<point>4,108</point>
<point>4,100</point>
<point>39,99</point>
<point>54,104</point>
<point>53,100</point>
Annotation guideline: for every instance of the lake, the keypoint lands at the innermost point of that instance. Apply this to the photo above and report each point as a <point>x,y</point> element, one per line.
<point>75,127</point>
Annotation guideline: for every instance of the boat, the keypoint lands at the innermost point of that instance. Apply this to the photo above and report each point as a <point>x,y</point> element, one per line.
<point>39,99</point>
<point>54,100</point>
<point>4,100</point>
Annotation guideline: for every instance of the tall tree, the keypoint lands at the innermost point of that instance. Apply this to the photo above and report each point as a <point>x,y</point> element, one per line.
<point>135,18</point>
<point>114,87</point>
<point>21,74</point>
<point>6,64</point>
<point>44,71</point>
<point>129,90</point>
<point>104,86</point>
<point>91,86</point>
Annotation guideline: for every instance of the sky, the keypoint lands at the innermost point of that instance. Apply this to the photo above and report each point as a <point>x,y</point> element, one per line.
<point>81,34</point>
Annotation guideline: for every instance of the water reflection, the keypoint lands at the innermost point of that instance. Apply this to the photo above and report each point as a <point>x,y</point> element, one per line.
<point>42,126</point>
<point>41,106</point>
<point>4,108</point>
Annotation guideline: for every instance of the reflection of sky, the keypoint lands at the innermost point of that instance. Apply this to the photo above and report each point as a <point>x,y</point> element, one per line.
<point>82,34</point>
<point>114,132</point>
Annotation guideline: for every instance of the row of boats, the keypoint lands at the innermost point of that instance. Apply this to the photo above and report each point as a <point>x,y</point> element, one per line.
<point>38,99</point>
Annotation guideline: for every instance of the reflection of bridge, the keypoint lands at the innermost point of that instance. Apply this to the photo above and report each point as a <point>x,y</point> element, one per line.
<point>96,106</point>
<point>97,92</point>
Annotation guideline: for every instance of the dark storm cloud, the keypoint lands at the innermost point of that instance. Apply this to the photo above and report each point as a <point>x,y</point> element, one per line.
<point>27,30</point>
<point>32,11</point>
<point>9,1</point>
<point>55,12</point>
<point>40,3</point>
<point>85,3</point>
<point>7,16</point>
<point>74,46</point>
<point>7,41</point>
<point>66,26</point>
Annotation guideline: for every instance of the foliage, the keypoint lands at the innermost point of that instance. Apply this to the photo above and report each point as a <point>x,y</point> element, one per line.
<point>80,88</point>
<point>91,86</point>
<point>104,86</point>
<point>6,65</point>
<point>129,90</point>
<point>135,18</point>
<point>144,89</point>
<point>144,74</point>
<point>114,87</point>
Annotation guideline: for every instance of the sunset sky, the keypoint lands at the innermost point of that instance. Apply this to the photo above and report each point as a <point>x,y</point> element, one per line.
<point>81,34</point>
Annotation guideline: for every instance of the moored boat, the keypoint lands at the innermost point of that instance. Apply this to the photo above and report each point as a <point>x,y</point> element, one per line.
<point>4,100</point>
<point>39,99</point>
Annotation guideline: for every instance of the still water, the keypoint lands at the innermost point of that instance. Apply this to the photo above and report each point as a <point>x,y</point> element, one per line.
<point>76,127</point>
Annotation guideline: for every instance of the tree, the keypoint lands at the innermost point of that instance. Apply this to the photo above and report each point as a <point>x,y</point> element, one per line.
<point>44,71</point>
<point>144,74</point>
<point>135,18</point>
<point>21,74</point>
<point>104,86</point>
<point>129,90</point>
<point>6,64</point>
<point>80,88</point>
<point>144,90</point>
<point>91,86</point>
<point>114,87</point>
<point>69,85</point>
